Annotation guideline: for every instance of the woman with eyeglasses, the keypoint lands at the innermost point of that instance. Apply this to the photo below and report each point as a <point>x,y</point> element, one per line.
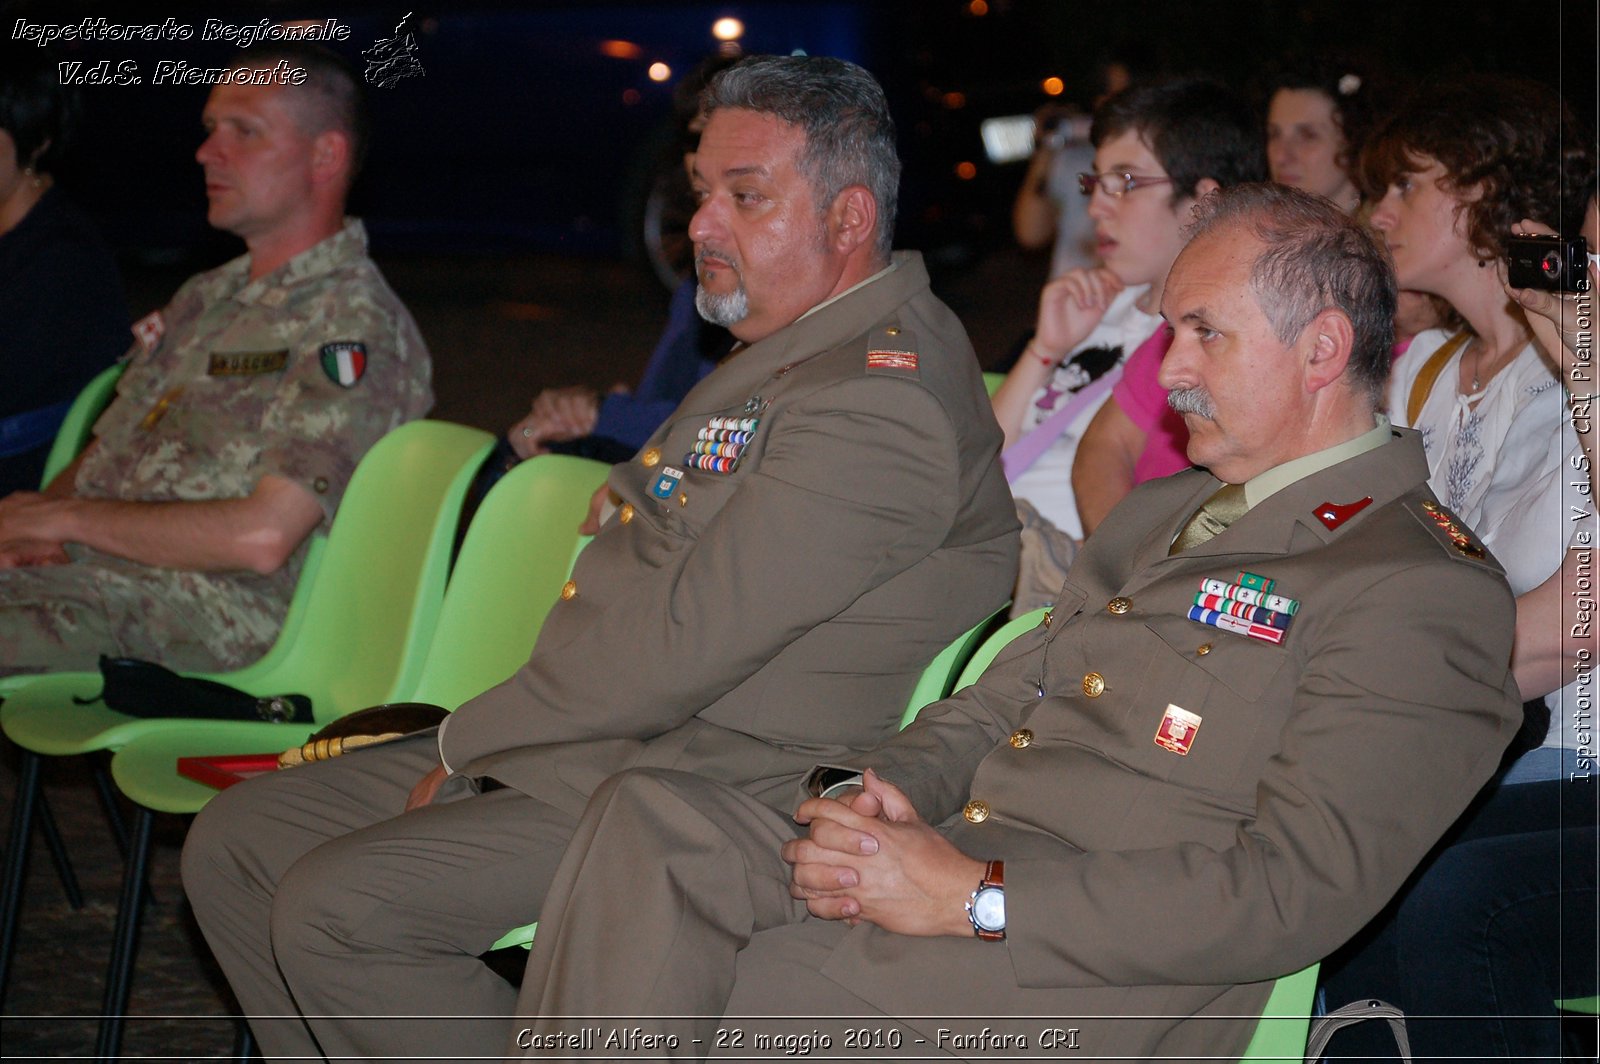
<point>1499,920</point>
<point>1158,148</point>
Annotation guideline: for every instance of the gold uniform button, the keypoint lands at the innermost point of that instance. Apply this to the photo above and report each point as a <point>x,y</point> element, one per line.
<point>893,330</point>
<point>625,512</point>
<point>651,458</point>
<point>976,811</point>
<point>683,498</point>
<point>1021,739</point>
<point>1203,649</point>
<point>569,589</point>
<point>1048,617</point>
<point>1094,685</point>
<point>1119,605</point>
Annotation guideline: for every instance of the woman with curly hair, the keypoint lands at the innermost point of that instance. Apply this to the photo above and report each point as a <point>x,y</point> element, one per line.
<point>1499,922</point>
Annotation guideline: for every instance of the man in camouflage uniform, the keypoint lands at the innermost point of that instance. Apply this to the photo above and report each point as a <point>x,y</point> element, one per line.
<point>179,533</point>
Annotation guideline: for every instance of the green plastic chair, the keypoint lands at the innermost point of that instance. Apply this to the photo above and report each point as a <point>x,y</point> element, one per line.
<point>1588,1006</point>
<point>518,552</point>
<point>992,382</point>
<point>1285,1019</point>
<point>360,633</point>
<point>71,438</point>
<point>73,435</point>
<point>944,672</point>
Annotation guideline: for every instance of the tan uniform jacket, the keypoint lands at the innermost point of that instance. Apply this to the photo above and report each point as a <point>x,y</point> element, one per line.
<point>1321,771</point>
<point>744,625</point>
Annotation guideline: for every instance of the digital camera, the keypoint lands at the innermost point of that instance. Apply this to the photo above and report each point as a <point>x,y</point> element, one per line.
<point>1549,263</point>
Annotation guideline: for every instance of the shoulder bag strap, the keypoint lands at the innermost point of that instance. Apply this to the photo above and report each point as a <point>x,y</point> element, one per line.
<point>1422,387</point>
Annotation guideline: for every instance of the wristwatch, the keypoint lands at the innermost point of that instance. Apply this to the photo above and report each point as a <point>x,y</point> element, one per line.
<point>987,909</point>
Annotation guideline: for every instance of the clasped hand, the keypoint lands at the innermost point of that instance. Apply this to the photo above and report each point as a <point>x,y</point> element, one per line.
<point>871,857</point>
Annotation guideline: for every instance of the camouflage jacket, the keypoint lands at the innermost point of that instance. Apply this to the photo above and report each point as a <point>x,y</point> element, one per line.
<point>294,374</point>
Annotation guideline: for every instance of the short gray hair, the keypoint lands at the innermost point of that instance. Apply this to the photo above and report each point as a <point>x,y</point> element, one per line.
<point>1317,257</point>
<point>842,111</point>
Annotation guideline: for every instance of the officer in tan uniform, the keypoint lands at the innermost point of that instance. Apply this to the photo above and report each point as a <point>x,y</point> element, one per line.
<point>820,516</point>
<point>1263,693</point>
<point>178,535</point>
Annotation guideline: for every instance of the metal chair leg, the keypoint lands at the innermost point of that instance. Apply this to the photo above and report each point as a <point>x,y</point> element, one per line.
<point>114,818</point>
<point>108,801</point>
<point>125,940</point>
<point>58,850</point>
<point>244,1043</point>
<point>16,864</point>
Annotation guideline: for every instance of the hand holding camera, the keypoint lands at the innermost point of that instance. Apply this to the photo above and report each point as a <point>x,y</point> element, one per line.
<point>1544,274</point>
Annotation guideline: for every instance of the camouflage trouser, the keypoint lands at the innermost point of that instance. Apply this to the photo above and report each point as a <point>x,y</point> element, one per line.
<point>63,617</point>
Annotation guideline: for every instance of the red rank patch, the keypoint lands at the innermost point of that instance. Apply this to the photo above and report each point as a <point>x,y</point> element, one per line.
<point>1335,514</point>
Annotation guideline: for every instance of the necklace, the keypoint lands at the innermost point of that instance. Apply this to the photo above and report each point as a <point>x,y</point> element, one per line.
<point>1478,347</point>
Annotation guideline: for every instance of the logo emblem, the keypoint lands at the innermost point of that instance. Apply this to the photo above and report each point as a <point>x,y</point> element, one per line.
<point>666,483</point>
<point>344,362</point>
<point>1177,731</point>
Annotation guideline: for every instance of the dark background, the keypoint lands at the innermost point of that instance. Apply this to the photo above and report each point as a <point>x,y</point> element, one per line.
<point>505,189</point>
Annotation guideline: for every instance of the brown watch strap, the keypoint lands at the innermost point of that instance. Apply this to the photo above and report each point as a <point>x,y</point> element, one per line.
<point>994,875</point>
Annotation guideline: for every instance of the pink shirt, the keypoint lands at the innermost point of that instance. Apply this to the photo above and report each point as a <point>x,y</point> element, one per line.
<point>1141,397</point>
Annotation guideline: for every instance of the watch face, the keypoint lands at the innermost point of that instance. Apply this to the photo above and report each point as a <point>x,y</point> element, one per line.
<point>989,909</point>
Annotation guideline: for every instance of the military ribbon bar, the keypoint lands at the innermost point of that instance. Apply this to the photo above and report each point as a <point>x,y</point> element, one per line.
<point>1263,632</point>
<point>1243,610</point>
<point>1239,593</point>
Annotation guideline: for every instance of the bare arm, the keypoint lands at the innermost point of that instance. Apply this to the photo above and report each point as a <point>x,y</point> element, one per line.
<point>1555,630</point>
<point>1102,471</point>
<point>258,532</point>
<point>1069,308</point>
<point>1034,214</point>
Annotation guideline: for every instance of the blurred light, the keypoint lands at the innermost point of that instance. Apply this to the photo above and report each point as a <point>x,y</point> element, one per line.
<point>621,49</point>
<point>977,8</point>
<point>966,171</point>
<point>954,101</point>
<point>659,72</point>
<point>630,96</point>
<point>727,29</point>
<point>1053,86</point>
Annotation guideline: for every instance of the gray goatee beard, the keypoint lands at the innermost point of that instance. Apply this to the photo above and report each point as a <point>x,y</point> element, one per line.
<point>1192,401</point>
<point>724,309</point>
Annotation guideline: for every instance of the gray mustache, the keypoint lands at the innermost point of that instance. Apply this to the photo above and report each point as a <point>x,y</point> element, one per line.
<point>1192,401</point>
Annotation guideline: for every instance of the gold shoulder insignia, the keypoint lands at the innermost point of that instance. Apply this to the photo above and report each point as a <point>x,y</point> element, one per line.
<point>1450,531</point>
<point>892,350</point>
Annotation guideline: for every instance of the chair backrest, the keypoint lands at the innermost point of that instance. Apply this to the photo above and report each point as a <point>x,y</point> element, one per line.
<point>367,617</point>
<point>73,435</point>
<point>993,645</point>
<point>1285,1019</point>
<point>518,551</point>
<point>940,677</point>
<point>992,382</point>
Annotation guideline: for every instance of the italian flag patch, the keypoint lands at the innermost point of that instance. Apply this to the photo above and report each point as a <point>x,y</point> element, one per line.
<point>344,362</point>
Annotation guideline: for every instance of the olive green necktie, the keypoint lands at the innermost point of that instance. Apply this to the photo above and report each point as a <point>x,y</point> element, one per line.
<point>1215,514</point>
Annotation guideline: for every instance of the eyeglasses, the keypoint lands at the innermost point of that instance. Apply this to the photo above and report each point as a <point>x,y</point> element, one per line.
<point>1117,185</point>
